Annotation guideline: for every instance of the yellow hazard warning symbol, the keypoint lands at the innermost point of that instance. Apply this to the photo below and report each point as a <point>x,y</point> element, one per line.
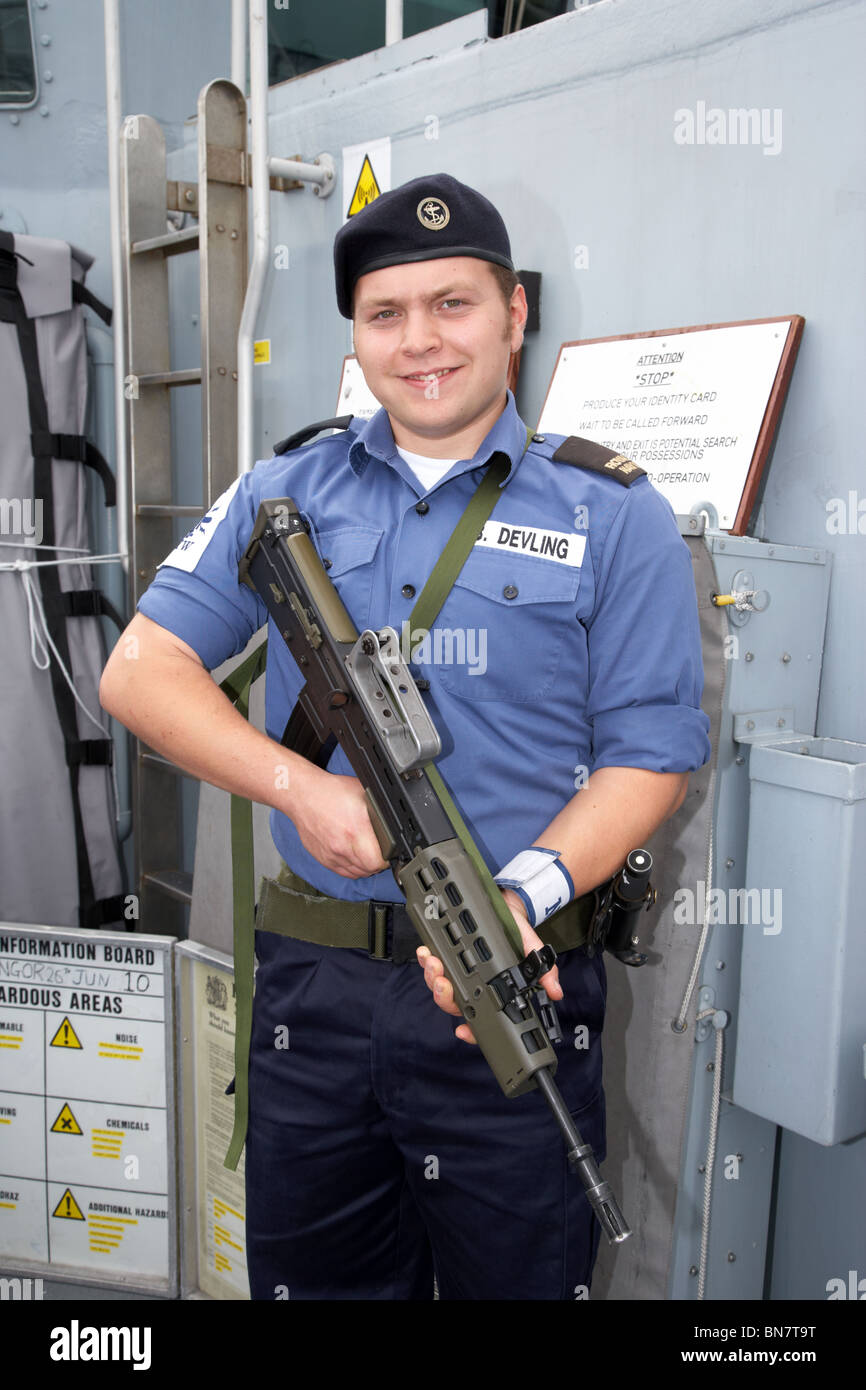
<point>65,1036</point>
<point>66,1123</point>
<point>366,189</point>
<point>261,352</point>
<point>68,1207</point>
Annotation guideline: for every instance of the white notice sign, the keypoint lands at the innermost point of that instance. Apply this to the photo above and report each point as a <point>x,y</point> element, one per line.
<point>687,406</point>
<point>355,397</point>
<point>86,1101</point>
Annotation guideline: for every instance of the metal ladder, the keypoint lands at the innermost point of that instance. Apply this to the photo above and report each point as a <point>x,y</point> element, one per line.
<point>219,199</point>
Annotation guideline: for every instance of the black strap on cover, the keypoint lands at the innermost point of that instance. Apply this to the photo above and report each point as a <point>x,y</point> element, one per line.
<point>84,603</point>
<point>294,441</point>
<point>76,448</point>
<point>78,751</point>
<point>82,295</point>
<point>586,453</point>
<point>89,752</point>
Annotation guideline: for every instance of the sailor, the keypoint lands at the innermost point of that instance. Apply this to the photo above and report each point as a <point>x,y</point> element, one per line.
<point>564,675</point>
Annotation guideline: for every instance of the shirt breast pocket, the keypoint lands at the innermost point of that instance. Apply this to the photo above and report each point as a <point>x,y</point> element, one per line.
<point>507,622</point>
<point>348,553</point>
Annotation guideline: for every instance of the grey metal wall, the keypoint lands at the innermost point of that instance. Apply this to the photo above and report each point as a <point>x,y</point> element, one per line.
<point>569,128</point>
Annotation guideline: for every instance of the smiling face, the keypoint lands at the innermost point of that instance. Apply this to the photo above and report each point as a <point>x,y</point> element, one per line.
<point>434,339</point>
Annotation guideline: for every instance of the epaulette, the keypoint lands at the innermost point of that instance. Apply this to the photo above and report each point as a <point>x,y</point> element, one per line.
<point>295,441</point>
<point>585,453</point>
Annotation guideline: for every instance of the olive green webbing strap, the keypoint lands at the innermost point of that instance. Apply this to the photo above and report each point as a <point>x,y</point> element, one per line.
<point>426,609</point>
<point>462,832</point>
<point>459,544</point>
<point>237,687</point>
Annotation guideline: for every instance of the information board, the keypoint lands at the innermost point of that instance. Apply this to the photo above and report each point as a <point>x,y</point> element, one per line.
<point>86,1103</point>
<point>355,397</point>
<point>214,1233</point>
<point>697,408</point>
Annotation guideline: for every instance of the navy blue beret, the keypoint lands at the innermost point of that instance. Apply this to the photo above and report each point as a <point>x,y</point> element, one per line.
<point>424,220</point>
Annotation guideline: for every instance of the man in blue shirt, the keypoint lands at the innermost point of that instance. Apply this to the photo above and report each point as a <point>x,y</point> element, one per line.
<point>565,679</point>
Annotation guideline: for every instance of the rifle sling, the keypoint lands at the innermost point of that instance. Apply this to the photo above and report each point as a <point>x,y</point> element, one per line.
<point>237,687</point>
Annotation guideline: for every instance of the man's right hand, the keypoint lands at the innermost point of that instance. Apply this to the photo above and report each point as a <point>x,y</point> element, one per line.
<point>334,825</point>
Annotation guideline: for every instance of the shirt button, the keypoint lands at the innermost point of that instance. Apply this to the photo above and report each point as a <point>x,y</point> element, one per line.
<point>422,508</point>
<point>539,439</point>
<point>408,591</point>
<point>510,591</point>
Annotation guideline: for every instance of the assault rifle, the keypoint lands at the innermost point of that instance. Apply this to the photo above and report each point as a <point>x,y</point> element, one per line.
<point>360,691</point>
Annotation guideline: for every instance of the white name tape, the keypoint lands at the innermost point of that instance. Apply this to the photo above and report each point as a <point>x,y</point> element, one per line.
<point>189,551</point>
<point>566,547</point>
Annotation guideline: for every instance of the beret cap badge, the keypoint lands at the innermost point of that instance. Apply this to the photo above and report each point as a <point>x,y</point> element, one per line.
<point>433,214</point>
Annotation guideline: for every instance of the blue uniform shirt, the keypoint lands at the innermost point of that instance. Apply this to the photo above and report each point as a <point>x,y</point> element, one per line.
<point>569,642</point>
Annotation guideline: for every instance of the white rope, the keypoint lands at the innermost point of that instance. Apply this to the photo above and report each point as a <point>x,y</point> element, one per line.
<point>680,1020</point>
<point>73,560</point>
<point>41,642</point>
<point>35,545</point>
<point>35,634</point>
<point>34,607</point>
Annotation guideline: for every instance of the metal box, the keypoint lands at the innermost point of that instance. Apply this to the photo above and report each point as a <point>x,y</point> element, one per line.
<point>801,1024</point>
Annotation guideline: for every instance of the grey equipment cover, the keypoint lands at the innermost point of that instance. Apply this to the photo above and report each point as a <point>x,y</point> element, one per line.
<point>59,857</point>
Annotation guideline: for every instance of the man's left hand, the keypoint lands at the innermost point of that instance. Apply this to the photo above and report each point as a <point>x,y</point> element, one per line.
<point>441,989</point>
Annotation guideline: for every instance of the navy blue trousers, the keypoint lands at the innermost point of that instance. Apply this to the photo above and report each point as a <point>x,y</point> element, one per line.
<point>381,1151</point>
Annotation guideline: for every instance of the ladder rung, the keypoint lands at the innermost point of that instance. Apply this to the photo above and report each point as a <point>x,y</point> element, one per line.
<point>171,243</point>
<point>163,765</point>
<point>190,376</point>
<point>174,882</point>
<point>148,509</point>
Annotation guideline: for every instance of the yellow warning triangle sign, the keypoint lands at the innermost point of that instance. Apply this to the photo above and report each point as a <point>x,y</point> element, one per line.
<point>68,1207</point>
<point>66,1123</point>
<point>65,1036</point>
<point>366,189</point>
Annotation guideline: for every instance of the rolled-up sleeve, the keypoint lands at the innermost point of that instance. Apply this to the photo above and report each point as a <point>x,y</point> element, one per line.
<point>196,593</point>
<point>646,670</point>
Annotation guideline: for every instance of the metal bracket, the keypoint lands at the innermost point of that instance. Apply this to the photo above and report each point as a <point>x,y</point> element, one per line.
<point>759,726</point>
<point>748,598</point>
<point>704,1026</point>
<point>227,164</point>
<point>387,691</point>
<point>718,1019</point>
<point>691,525</point>
<point>181,196</point>
<point>326,162</point>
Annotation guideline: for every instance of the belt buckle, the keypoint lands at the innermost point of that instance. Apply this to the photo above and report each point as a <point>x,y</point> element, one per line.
<point>379,933</point>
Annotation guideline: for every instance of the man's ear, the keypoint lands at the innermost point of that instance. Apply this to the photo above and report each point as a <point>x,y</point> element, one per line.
<point>518,310</point>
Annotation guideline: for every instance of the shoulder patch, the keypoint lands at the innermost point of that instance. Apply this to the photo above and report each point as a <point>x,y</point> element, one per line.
<point>586,453</point>
<point>295,441</point>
